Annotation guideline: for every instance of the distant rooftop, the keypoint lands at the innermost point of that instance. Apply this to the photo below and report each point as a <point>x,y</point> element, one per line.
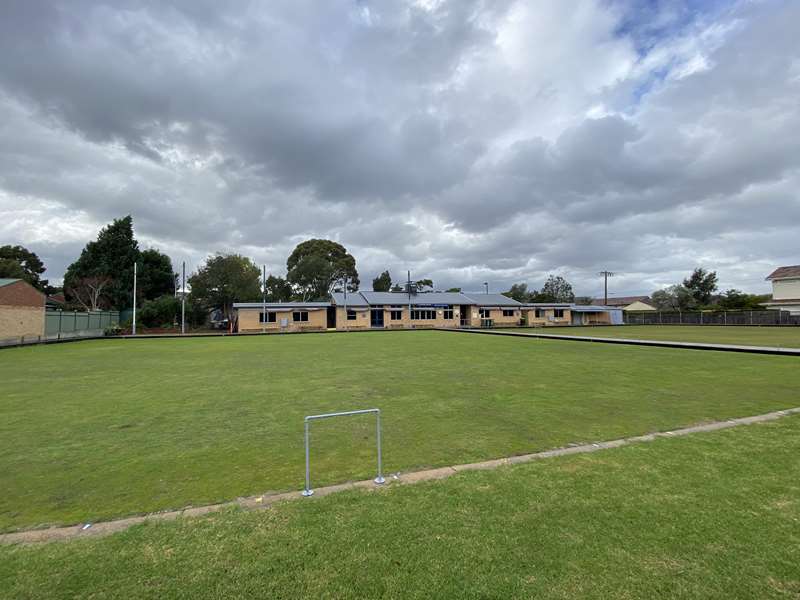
<point>785,272</point>
<point>621,300</point>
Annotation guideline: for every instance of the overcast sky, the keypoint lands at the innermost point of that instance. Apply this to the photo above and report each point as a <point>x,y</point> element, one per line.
<point>466,140</point>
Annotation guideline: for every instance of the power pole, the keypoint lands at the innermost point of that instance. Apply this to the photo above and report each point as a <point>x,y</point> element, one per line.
<point>264,302</point>
<point>133,328</point>
<point>183,299</point>
<point>408,289</point>
<point>606,275</point>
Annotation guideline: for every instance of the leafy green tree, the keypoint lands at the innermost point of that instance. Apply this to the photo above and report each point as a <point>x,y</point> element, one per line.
<point>674,297</point>
<point>278,289</point>
<point>223,280</point>
<point>17,262</point>
<point>556,289</point>
<point>701,285</point>
<point>423,284</point>
<point>382,283</point>
<point>110,257</point>
<point>454,290</point>
<point>518,292</point>
<point>315,266</point>
<point>737,300</point>
<point>11,269</point>
<point>164,310</point>
<point>156,277</point>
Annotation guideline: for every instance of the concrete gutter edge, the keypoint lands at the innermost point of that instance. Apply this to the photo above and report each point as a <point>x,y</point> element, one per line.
<point>267,500</point>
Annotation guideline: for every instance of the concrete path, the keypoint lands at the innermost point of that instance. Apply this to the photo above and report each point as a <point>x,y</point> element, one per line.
<point>635,342</point>
<point>264,501</point>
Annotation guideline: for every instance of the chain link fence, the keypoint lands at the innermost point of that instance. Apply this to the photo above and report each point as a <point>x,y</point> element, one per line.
<point>722,317</point>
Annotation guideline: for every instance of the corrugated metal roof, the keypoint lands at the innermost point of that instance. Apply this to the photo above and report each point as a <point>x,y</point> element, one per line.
<point>621,301</point>
<point>353,299</point>
<point>491,300</point>
<point>8,281</point>
<point>419,299</point>
<point>593,308</point>
<point>277,305</point>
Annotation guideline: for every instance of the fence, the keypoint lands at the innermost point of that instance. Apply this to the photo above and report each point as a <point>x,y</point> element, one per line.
<point>723,317</point>
<point>62,325</point>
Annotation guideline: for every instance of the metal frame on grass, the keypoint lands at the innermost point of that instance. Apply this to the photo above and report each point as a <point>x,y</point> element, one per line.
<point>379,479</point>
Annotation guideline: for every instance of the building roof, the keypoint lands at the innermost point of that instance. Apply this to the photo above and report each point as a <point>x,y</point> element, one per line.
<point>491,300</point>
<point>547,305</point>
<point>785,273</point>
<point>353,299</point>
<point>279,305</point>
<point>369,298</point>
<point>8,281</point>
<point>587,308</point>
<point>418,299</point>
<point>621,301</point>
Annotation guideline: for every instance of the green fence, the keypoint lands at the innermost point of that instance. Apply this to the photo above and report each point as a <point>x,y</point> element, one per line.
<point>61,324</point>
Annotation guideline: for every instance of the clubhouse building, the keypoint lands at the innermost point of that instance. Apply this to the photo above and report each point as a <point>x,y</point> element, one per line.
<point>399,310</point>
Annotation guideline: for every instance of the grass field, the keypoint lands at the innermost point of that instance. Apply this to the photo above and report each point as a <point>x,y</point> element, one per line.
<point>783,337</point>
<point>714,515</point>
<point>101,429</point>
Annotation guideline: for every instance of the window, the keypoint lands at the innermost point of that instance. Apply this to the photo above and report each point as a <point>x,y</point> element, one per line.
<point>351,315</point>
<point>485,313</point>
<point>300,316</point>
<point>558,313</point>
<point>448,312</point>
<point>539,313</point>
<point>508,312</point>
<point>396,314</point>
<point>423,315</point>
<point>270,317</point>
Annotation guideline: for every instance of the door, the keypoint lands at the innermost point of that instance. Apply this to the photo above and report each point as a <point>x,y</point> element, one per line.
<point>331,317</point>
<point>376,317</point>
<point>466,316</point>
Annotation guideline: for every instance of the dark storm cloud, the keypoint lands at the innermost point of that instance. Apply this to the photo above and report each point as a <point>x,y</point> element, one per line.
<point>466,140</point>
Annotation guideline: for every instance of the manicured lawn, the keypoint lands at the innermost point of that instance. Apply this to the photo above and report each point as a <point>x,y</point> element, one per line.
<point>785,337</point>
<point>100,429</point>
<point>714,515</point>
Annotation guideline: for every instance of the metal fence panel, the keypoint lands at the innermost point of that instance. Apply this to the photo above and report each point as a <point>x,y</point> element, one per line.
<point>724,317</point>
<point>66,324</point>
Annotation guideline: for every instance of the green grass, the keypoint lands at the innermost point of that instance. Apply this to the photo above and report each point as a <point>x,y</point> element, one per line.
<point>101,429</point>
<point>714,515</point>
<point>784,337</point>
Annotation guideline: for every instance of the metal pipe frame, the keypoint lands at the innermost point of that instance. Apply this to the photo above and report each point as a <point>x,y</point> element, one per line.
<point>379,479</point>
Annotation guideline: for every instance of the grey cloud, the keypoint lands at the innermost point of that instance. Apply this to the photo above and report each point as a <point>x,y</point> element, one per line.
<point>443,139</point>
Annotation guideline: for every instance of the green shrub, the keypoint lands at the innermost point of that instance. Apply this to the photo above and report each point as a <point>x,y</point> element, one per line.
<point>161,311</point>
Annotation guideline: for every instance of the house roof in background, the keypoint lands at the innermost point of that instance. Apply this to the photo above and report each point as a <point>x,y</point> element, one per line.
<point>621,301</point>
<point>8,281</point>
<point>785,272</point>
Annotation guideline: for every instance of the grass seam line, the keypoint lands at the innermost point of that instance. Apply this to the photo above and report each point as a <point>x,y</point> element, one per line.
<point>33,536</point>
<point>771,350</point>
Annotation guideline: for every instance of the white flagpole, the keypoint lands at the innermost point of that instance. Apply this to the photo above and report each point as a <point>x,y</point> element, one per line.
<point>133,329</point>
